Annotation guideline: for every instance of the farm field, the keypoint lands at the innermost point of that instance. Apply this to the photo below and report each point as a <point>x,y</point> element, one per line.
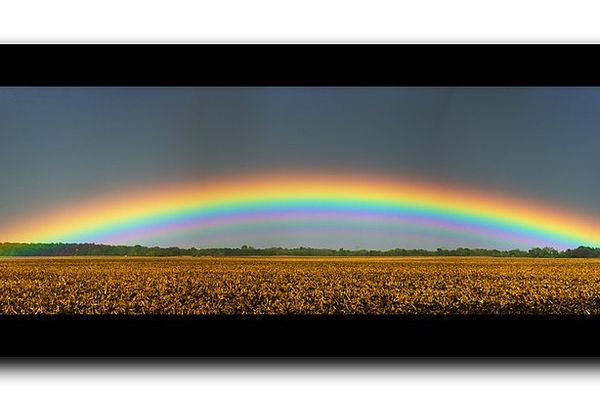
<point>299,285</point>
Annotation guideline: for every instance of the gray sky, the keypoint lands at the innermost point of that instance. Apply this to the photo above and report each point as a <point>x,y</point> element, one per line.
<point>57,144</point>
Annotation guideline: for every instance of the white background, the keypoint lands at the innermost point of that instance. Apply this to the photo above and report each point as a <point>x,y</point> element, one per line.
<point>299,21</point>
<point>307,21</point>
<point>299,380</point>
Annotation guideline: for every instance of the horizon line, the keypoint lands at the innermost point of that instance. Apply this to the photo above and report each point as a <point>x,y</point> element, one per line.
<point>250,247</point>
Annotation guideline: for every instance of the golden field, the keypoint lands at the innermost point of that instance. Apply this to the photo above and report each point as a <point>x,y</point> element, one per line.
<point>299,285</point>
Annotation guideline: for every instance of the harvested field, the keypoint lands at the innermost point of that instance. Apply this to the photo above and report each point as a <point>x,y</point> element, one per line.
<point>300,285</point>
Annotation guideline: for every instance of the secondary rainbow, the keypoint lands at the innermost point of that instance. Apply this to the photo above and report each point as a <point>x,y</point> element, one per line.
<point>307,201</point>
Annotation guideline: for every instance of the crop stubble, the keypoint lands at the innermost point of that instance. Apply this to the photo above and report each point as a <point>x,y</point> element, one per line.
<point>288,285</point>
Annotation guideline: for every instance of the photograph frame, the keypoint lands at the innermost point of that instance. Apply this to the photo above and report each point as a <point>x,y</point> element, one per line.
<point>297,335</point>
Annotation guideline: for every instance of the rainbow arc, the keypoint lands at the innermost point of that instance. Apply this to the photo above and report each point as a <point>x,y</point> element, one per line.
<point>303,202</point>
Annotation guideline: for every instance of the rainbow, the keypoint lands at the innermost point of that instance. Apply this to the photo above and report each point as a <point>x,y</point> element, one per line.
<point>334,203</point>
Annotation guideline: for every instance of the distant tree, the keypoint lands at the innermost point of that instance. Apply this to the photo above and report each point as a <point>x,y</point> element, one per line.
<point>583,252</point>
<point>550,252</point>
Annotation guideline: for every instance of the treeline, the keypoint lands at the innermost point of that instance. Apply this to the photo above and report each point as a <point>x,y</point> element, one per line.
<point>86,249</point>
<point>92,249</point>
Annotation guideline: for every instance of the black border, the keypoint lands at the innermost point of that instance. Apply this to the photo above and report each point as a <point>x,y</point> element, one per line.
<point>300,336</point>
<point>300,65</point>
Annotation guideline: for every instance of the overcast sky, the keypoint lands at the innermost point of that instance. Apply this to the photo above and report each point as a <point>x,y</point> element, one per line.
<point>57,144</point>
